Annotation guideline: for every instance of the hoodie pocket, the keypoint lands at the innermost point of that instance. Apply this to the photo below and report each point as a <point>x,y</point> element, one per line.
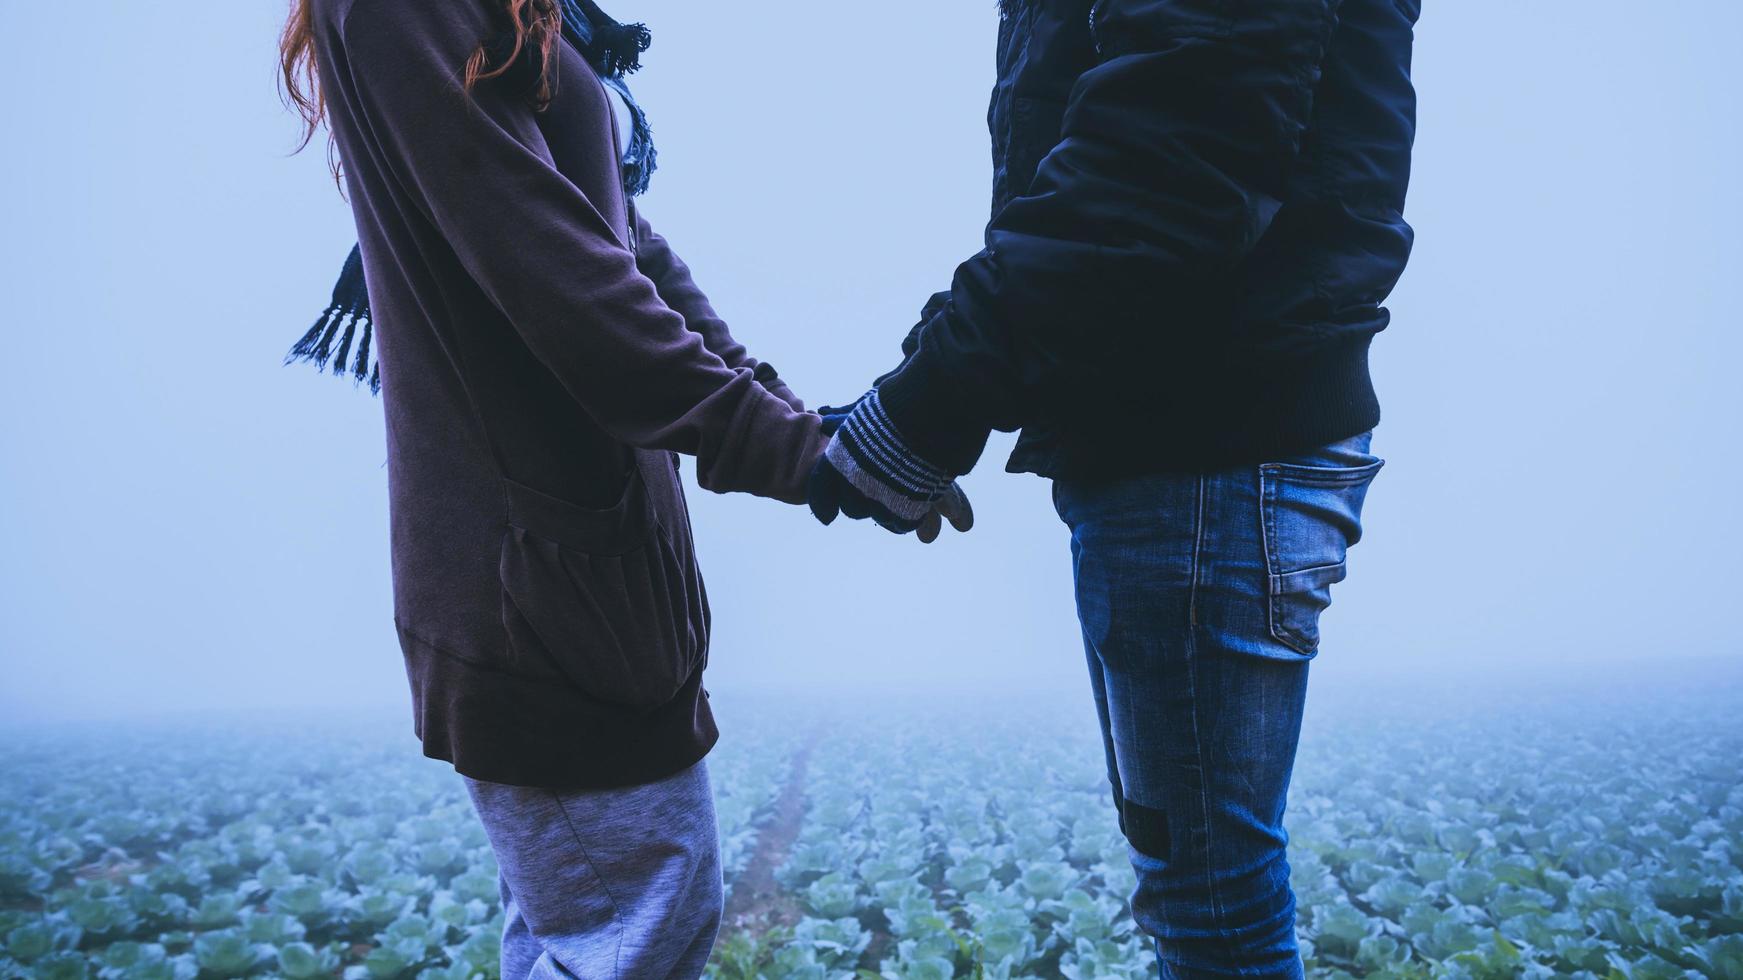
<point>604,596</point>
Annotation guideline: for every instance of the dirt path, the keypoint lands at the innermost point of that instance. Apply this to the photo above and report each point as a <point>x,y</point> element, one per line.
<point>757,902</point>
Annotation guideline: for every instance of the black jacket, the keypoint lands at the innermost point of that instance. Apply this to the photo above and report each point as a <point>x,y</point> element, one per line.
<point>1197,211</point>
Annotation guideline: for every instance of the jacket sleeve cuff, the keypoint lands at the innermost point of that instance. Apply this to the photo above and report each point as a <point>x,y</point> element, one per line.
<point>935,412</point>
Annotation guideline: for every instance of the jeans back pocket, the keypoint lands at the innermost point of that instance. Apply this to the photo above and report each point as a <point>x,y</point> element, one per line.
<point>1311,516</point>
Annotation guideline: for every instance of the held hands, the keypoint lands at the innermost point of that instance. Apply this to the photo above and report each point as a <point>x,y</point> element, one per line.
<point>868,471</point>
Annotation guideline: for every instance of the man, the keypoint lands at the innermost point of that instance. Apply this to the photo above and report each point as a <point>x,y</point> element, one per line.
<point>1198,209</point>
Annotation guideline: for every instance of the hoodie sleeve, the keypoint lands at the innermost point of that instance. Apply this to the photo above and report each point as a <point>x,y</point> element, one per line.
<point>657,261</point>
<point>478,167</point>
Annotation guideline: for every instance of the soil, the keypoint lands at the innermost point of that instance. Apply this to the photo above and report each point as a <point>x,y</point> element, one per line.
<point>758,903</point>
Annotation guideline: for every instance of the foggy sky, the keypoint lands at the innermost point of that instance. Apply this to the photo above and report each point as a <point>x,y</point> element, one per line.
<point>187,526</point>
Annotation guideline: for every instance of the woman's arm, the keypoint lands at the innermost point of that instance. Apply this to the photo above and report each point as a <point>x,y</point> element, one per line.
<point>479,168</point>
<point>657,261</point>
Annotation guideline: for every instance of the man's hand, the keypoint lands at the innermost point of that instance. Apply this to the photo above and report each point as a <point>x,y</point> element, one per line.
<point>831,495</point>
<point>868,472</point>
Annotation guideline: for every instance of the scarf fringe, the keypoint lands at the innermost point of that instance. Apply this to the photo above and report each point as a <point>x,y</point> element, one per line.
<point>361,368</point>
<point>324,349</point>
<point>640,159</point>
<point>343,357</point>
<point>621,46</point>
<point>339,323</point>
<point>304,349</point>
<point>614,49</point>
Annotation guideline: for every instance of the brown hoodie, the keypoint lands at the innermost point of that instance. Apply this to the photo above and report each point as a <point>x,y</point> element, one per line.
<point>543,356</point>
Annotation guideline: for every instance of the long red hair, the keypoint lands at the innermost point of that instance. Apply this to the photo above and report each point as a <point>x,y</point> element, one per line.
<point>537,24</point>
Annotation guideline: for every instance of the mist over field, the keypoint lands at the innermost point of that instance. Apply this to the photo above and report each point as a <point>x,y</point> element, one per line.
<point>1522,739</point>
<point>190,527</point>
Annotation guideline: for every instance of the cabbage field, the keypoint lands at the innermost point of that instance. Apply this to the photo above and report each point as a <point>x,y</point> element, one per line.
<point>1490,839</point>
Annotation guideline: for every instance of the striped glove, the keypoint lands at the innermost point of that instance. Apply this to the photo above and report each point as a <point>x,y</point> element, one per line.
<point>868,471</point>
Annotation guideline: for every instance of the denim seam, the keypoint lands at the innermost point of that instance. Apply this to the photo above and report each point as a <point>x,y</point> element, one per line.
<point>1281,632</point>
<point>1216,903</point>
<point>1331,477</point>
<point>1197,554</point>
<point>1268,538</point>
<point>616,910</point>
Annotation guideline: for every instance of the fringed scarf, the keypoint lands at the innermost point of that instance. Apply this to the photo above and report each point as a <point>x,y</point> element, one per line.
<point>614,50</point>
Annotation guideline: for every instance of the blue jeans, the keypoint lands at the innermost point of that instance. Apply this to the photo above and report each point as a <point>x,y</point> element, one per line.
<point>606,884</point>
<point>1200,597</point>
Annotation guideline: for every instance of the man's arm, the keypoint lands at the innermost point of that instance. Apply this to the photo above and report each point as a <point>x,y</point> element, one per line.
<point>657,261</point>
<point>1174,151</point>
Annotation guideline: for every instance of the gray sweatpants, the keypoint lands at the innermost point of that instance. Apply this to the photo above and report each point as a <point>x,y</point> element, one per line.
<point>610,884</point>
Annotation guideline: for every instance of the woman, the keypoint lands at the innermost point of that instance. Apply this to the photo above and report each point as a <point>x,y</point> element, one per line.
<point>542,358</point>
